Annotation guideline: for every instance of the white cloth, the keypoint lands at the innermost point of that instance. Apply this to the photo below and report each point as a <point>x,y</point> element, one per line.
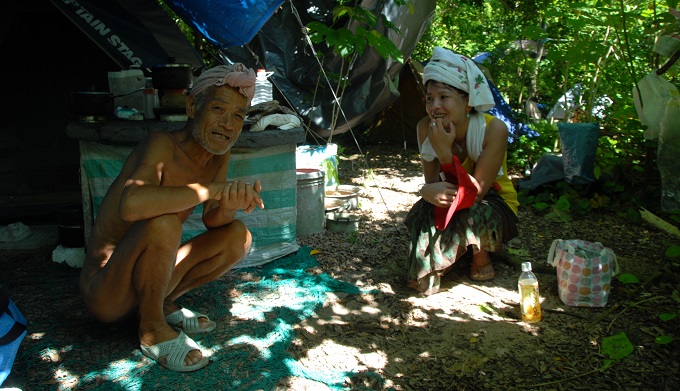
<point>72,256</point>
<point>14,232</point>
<point>461,72</point>
<point>281,121</point>
<point>426,151</point>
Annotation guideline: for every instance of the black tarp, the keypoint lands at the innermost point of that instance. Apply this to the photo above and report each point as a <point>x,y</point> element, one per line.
<point>132,32</point>
<point>282,48</point>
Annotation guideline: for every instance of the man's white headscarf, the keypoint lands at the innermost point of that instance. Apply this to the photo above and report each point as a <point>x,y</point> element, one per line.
<point>237,76</point>
<point>461,72</point>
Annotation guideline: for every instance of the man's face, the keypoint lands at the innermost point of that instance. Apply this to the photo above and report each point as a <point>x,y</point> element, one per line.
<point>219,120</point>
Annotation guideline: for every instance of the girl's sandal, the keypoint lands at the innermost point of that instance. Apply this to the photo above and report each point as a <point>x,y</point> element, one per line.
<point>482,273</point>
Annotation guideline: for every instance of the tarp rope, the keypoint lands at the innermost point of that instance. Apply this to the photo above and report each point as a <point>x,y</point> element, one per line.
<point>337,102</point>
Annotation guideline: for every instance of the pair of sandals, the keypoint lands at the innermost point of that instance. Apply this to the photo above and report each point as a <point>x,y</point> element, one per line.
<point>175,350</point>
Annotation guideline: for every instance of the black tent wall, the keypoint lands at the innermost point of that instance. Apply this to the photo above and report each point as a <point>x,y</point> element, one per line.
<point>45,58</point>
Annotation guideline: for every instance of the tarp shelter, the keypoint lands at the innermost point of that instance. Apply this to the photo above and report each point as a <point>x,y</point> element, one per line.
<point>282,48</point>
<point>270,35</point>
<point>261,34</point>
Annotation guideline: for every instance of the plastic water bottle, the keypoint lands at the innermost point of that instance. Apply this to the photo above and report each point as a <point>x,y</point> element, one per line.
<point>263,87</point>
<point>529,298</point>
<point>150,99</point>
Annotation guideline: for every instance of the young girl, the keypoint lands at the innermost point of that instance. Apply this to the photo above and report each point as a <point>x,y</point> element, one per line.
<point>456,134</point>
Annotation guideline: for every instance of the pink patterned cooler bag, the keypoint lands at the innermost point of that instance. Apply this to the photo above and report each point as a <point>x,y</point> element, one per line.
<point>584,271</point>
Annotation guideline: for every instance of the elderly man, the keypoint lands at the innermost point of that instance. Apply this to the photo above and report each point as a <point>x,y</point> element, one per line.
<point>135,261</point>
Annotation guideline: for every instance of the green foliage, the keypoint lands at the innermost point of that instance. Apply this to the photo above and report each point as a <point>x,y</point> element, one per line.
<point>330,169</point>
<point>346,42</point>
<point>666,316</point>
<point>527,150</point>
<point>673,251</point>
<point>627,278</point>
<point>616,348</point>
<point>663,339</point>
<point>539,49</point>
<point>675,216</point>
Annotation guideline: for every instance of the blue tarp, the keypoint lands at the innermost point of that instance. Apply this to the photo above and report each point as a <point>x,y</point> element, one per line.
<point>225,22</point>
<point>502,109</point>
<point>503,112</point>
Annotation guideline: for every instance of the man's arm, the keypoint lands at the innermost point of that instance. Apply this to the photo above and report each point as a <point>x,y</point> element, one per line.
<point>143,197</point>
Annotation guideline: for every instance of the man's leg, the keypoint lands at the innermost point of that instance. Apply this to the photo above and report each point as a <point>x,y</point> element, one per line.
<point>205,258</point>
<point>148,272</point>
<point>208,256</point>
<point>136,277</point>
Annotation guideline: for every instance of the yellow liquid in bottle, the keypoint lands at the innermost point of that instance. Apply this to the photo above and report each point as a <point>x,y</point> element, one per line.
<point>530,305</point>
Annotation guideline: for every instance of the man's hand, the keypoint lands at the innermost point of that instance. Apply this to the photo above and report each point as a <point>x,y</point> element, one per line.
<point>240,195</point>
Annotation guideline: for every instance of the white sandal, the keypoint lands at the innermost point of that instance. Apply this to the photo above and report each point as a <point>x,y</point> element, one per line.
<point>175,351</point>
<point>190,322</point>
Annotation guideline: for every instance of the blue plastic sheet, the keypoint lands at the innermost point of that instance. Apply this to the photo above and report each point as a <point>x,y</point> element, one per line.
<point>226,22</point>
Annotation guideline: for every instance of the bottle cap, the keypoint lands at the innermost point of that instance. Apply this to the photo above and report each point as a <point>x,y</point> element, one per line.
<point>526,266</point>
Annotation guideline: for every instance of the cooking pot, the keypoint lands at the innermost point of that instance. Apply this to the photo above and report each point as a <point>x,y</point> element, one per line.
<point>95,103</point>
<point>342,222</point>
<point>70,227</point>
<point>92,103</point>
<point>172,76</point>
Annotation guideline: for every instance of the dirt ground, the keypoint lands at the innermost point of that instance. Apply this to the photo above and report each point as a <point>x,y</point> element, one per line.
<point>470,335</point>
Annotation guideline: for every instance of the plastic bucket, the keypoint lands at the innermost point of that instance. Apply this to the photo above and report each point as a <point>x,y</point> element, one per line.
<point>310,201</point>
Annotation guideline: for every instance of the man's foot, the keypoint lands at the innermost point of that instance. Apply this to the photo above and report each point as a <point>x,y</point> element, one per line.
<point>163,344</point>
<point>481,268</point>
<point>188,321</point>
<point>177,354</point>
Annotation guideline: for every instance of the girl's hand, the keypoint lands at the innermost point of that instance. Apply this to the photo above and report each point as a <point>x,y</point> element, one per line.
<point>441,139</point>
<point>439,193</point>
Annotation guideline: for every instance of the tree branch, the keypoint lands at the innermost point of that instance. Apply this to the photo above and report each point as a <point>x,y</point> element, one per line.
<point>665,67</point>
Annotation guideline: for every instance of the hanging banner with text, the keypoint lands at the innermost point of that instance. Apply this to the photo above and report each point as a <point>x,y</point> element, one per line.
<point>134,33</point>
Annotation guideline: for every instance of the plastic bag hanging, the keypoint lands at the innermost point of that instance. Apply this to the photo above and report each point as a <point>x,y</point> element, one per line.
<point>655,94</point>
